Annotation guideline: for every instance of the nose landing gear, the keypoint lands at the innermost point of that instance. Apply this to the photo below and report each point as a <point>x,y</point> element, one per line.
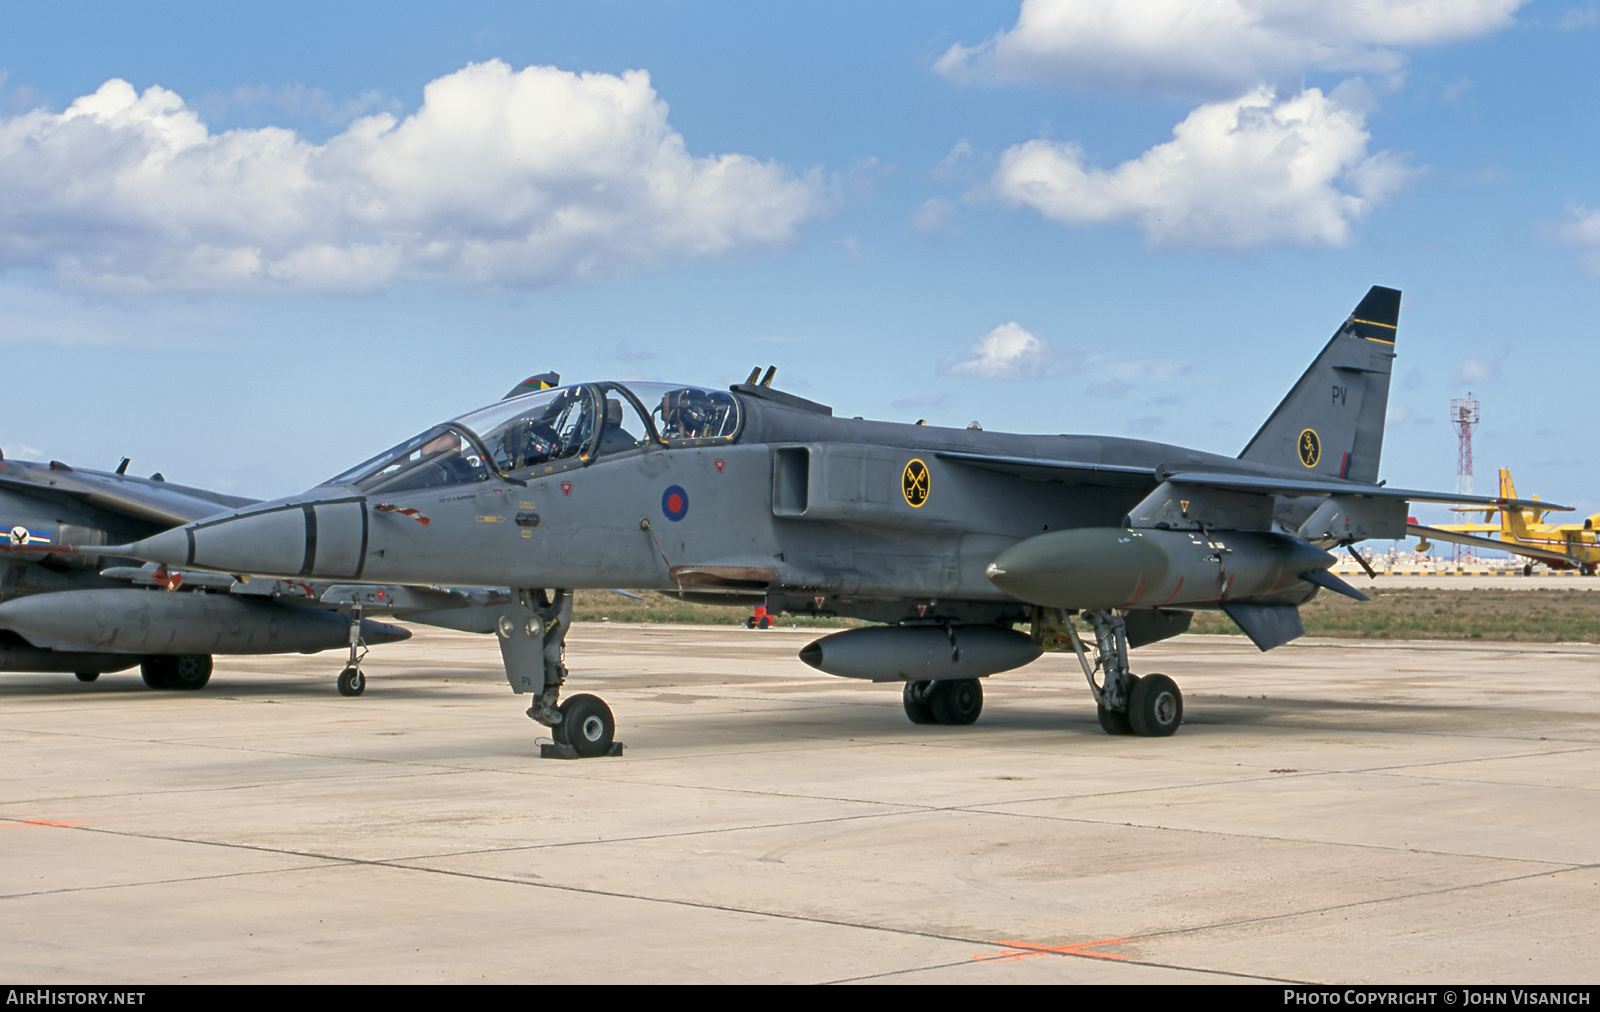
<point>351,681</point>
<point>532,632</point>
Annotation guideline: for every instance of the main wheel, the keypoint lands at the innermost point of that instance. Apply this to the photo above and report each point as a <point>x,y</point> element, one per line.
<point>157,671</point>
<point>586,725</point>
<point>88,676</point>
<point>1155,707</point>
<point>915,699</point>
<point>956,700</point>
<point>189,672</point>
<point>352,682</point>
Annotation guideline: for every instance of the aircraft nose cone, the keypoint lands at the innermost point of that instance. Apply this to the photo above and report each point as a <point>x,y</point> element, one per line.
<point>169,547</point>
<point>310,539</point>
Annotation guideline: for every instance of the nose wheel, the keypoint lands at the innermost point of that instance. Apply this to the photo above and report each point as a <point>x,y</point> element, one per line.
<point>352,682</point>
<point>587,726</point>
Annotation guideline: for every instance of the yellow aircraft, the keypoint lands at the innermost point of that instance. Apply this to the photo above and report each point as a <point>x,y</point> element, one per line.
<point>1524,532</point>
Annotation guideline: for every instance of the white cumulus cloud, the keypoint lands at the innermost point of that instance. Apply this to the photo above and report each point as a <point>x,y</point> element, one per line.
<point>1236,175</point>
<point>1583,233</point>
<point>1476,370</point>
<point>935,216</point>
<point>502,177</point>
<point>1007,352</point>
<point>1214,47</point>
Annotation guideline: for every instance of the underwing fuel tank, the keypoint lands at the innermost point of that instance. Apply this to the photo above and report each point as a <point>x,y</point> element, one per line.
<point>900,653</point>
<point>1117,567</point>
<point>161,622</point>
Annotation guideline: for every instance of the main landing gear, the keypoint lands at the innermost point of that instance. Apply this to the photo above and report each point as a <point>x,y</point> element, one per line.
<point>946,701</point>
<point>185,672</point>
<point>1150,706</point>
<point>532,632</point>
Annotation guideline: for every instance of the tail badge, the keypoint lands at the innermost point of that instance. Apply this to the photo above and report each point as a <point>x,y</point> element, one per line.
<point>1310,448</point>
<point>914,483</point>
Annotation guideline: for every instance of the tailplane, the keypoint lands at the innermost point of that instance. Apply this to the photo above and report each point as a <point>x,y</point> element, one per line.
<point>1332,421</point>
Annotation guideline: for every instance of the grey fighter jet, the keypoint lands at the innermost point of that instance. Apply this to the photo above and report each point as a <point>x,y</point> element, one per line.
<point>974,551</point>
<point>67,604</point>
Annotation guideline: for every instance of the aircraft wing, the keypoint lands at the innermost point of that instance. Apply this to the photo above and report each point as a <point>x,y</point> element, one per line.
<point>1268,485</point>
<point>1122,475</point>
<point>1457,538</point>
<point>1046,469</point>
<point>140,498</point>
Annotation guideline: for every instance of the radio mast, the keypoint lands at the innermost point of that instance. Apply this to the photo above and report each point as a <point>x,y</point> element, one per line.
<point>1464,415</point>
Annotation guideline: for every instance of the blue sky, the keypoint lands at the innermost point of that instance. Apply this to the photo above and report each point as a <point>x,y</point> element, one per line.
<point>326,229</point>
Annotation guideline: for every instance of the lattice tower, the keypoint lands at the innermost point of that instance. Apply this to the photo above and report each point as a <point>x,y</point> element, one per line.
<point>1464,416</point>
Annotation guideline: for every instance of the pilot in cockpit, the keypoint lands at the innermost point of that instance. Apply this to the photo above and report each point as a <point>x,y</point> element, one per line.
<point>446,450</point>
<point>614,437</point>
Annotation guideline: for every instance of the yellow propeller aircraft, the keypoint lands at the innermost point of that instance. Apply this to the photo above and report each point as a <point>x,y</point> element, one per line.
<point>1524,532</point>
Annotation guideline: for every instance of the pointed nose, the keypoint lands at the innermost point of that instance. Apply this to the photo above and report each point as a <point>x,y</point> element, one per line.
<point>321,538</point>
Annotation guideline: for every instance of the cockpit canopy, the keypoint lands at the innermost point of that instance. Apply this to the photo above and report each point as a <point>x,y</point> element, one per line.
<point>549,430</point>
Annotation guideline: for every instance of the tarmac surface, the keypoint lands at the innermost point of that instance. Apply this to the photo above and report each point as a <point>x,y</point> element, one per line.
<point>1403,812</point>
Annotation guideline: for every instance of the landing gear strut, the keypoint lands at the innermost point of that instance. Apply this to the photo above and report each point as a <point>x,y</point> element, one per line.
<point>1151,707</point>
<point>351,681</point>
<point>532,632</point>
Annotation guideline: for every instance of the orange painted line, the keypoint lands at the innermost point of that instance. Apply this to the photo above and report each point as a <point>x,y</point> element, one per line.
<point>1136,592</point>
<point>46,822</point>
<point>1175,590</point>
<point>1028,950</point>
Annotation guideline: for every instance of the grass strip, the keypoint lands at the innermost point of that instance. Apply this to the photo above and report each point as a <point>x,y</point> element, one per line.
<point>1524,616</point>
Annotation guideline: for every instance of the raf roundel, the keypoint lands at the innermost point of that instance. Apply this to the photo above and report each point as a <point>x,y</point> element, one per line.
<point>1310,448</point>
<point>675,503</point>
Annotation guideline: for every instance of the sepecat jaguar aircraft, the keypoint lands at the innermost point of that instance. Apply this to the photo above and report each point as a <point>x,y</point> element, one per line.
<point>972,551</point>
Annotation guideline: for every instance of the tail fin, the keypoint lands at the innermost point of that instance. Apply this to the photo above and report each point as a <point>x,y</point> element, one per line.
<point>1508,490</point>
<point>1332,421</point>
<point>1514,522</point>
